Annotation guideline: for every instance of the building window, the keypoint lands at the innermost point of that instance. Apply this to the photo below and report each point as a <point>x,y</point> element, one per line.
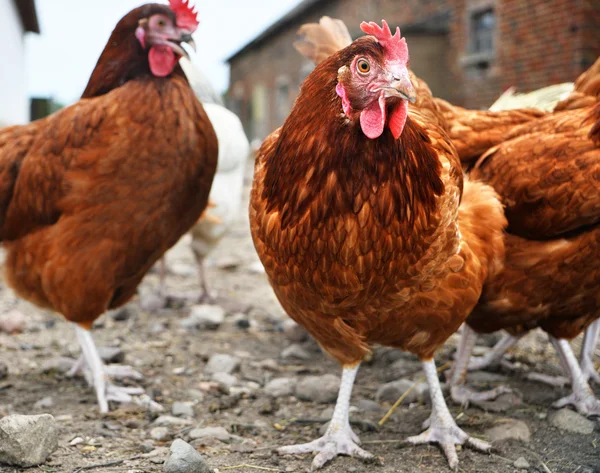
<point>483,27</point>
<point>282,99</point>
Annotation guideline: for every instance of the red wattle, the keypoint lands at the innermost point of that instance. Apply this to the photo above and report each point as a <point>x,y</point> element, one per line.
<point>162,60</point>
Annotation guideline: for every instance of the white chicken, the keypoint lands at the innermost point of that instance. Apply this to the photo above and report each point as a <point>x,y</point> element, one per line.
<point>225,197</point>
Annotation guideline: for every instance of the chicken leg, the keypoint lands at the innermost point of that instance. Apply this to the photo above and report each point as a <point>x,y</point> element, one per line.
<point>590,340</point>
<point>205,296</point>
<point>339,438</point>
<point>458,391</point>
<point>582,396</point>
<point>491,357</point>
<point>442,428</point>
<point>95,373</point>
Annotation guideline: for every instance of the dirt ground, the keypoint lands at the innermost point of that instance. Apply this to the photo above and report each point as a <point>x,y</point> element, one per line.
<point>173,360</point>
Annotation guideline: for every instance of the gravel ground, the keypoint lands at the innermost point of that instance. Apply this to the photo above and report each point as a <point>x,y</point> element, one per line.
<point>255,414</point>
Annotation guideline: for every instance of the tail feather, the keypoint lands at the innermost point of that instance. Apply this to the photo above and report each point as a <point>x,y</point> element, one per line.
<point>320,40</point>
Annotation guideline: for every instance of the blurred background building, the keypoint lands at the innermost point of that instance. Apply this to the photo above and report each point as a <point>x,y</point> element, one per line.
<point>16,18</point>
<point>468,51</point>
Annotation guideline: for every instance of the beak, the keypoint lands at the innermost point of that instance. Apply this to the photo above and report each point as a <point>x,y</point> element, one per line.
<point>402,88</point>
<point>187,38</point>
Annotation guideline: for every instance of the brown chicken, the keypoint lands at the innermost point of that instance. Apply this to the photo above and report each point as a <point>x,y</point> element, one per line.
<point>92,196</point>
<point>360,218</point>
<point>551,277</point>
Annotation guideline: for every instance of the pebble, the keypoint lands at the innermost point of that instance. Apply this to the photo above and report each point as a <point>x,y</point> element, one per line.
<point>294,332</point>
<point>170,420</point>
<point>60,364</point>
<point>204,316</point>
<point>111,354</point>
<point>224,379</point>
<point>366,405</point>
<point>521,463</point>
<point>160,434</point>
<point>3,371</point>
<point>566,419</point>
<point>296,352</point>
<point>12,322</point>
<point>218,433</point>
<point>27,441</point>
<point>390,392</point>
<point>401,368</point>
<point>151,302</point>
<point>269,364</point>
<point>509,429</point>
<point>157,327</point>
<point>44,403</point>
<point>502,403</point>
<point>76,441</point>
<point>322,389</point>
<point>181,409</point>
<point>183,458</point>
<point>280,387</point>
<point>122,314</point>
<point>267,406</point>
<point>221,364</point>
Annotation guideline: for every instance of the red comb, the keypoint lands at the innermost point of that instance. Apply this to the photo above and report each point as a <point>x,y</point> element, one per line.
<point>186,15</point>
<point>395,46</point>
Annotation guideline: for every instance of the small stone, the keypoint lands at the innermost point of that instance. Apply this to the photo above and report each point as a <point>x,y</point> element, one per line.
<point>76,441</point>
<point>391,392</point>
<point>122,314</point>
<point>225,379</point>
<point>204,316</point>
<point>181,409</point>
<point>218,433</point>
<point>366,405</point>
<point>157,327</point>
<point>321,389</point>
<point>521,463</point>
<point>147,447</point>
<point>44,403</point>
<point>401,368</point>
<point>295,351</point>
<point>160,434</point>
<point>3,371</point>
<point>111,354</point>
<point>183,458</point>
<point>27,441</point>
<point>151,302</point>
<point>12,322</point>
<point>221,364</point>
<point>509,429</point>
<point>294,332</point>
<point>269,364</point>
<point>502,403</point>
<point>280,387</point>
<point>566,419</point>
<point>267,406</point>
<point>170,420</point>
<point>59,364</point>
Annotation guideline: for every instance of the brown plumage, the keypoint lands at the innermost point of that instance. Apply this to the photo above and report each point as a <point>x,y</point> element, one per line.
<point>363,240</point>
<point>586,91</point>
<point>92,196</point>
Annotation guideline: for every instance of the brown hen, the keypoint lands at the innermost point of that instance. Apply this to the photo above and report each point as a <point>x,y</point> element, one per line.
<point>551,278</point>
<point>359,216</point>
<point>92,196</point>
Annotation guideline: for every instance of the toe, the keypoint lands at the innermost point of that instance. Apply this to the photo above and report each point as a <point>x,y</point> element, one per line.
<point>328,453</point>
<point>297,449</point>
<point>450,452</point>
<point>478,444</point>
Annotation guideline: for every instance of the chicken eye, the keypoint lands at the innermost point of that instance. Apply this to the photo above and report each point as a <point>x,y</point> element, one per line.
<point>363,66</point>
<point>162,23</point>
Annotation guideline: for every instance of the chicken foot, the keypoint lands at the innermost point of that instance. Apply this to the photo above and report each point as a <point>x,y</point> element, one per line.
<point>590,340</point>
<point>495,354</point>
<point>582,397</point>
<point>442,427</point>
<point>95,373</point>
<point>339,438</point>
<point>458,391</point>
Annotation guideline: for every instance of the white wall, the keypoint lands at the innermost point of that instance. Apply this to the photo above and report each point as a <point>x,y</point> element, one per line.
<point>14,101</point>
